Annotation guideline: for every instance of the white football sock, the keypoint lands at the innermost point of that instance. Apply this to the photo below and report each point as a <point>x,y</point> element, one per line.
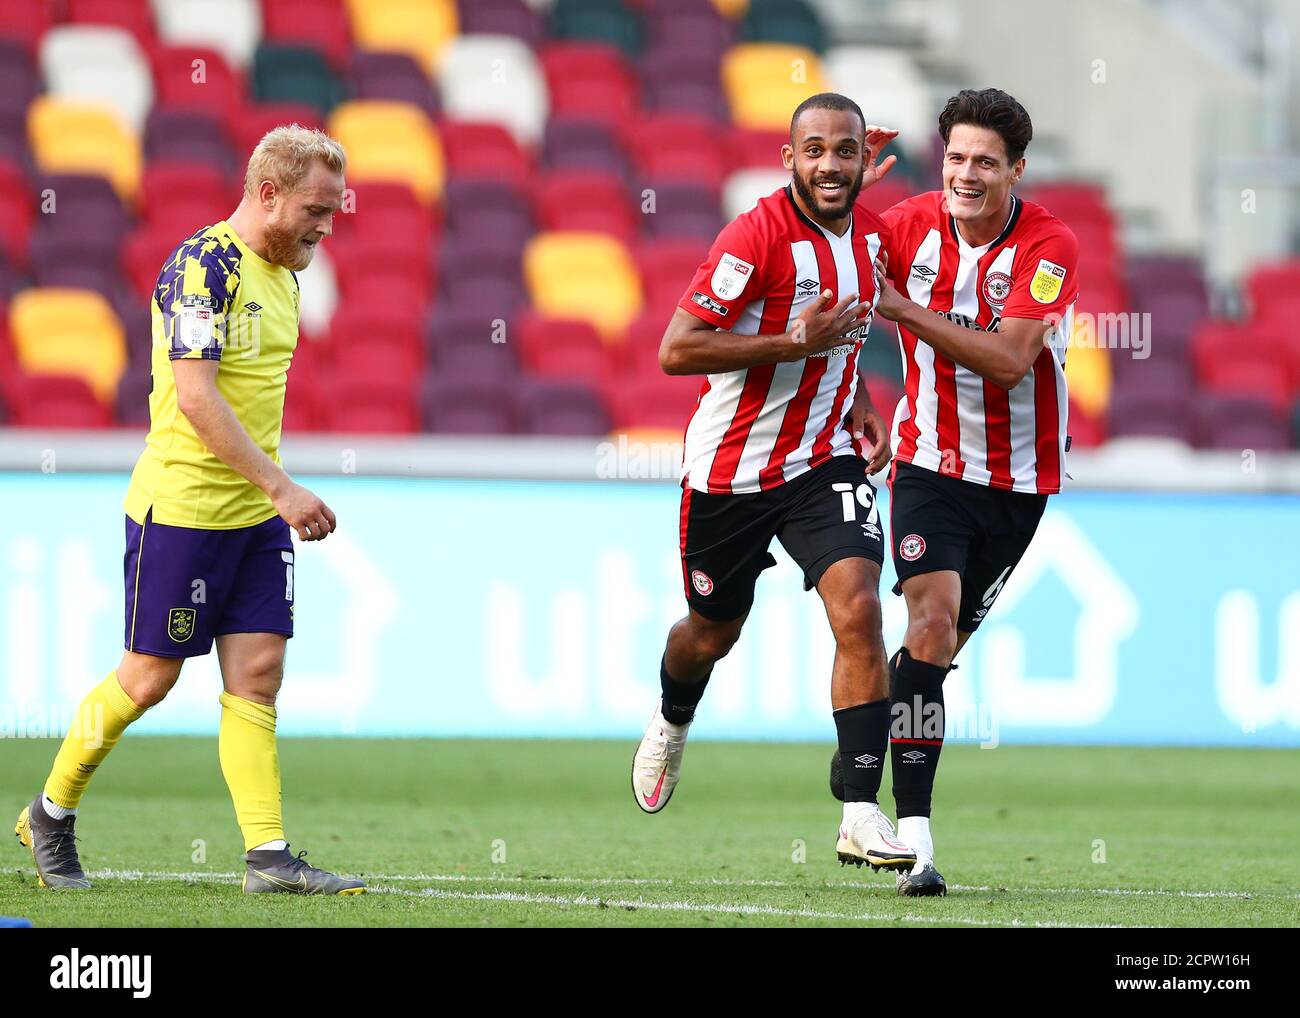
<point>854,811</point>
<point>915,834</point>
<point>271,846</point>
<point>54,811</point>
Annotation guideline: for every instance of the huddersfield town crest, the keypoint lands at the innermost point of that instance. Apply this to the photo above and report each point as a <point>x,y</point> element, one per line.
<point>180,623</point>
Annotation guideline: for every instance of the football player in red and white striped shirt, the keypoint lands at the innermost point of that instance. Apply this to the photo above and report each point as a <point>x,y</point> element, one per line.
<point>982,285</point>
<point>774,319</point>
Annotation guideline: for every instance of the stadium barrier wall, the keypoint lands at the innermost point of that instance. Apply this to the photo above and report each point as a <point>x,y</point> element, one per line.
<point>462,606</point>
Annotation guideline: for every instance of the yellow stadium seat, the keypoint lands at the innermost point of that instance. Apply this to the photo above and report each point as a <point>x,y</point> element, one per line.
<point>731,8</point>
<point>72,137</point>
<point>1087,366</point>
<point>390,141</point>
<point>61,331</point>
<point>418,27</point>
<point>584,275</point>
<point>764,82</point>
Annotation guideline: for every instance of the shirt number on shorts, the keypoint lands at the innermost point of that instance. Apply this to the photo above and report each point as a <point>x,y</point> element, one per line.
<point>287,558</point>
<point>864,496</point>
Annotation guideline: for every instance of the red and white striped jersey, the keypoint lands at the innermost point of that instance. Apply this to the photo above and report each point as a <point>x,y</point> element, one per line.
<point>951,420</point>
<point>756,428</point>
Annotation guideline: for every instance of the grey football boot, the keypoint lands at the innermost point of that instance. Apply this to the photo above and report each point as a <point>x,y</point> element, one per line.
<point>54,847</point>
<point>271,871</point>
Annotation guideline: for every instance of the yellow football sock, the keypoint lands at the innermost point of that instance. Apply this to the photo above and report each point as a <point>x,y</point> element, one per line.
<point>99,723</point>
<point>251,768</point>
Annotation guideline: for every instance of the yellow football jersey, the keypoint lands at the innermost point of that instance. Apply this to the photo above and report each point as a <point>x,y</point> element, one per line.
<point>215,299</point>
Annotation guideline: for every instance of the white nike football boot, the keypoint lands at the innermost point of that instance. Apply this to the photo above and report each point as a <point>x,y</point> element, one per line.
<point>867,836</point>
<point>658,763</point>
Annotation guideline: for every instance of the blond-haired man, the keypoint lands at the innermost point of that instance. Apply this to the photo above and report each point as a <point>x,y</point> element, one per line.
<point>209,554</point>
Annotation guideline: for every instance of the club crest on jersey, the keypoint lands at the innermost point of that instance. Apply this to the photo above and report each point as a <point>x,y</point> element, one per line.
<point>912,547</point>
<point>730,277</point>
<point>997,286</point>
<point>701,582</point>
<point>1046,284</point>
<point>180,623</point>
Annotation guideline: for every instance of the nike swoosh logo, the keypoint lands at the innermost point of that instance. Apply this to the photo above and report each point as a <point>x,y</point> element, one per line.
<point>653,800</point>
<point>289,885</point>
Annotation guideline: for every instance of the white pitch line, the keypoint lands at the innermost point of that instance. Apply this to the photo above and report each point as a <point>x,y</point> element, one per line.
<point>110,874</point>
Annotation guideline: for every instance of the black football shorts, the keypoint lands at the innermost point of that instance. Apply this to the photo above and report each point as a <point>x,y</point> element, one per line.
<point>820,517</point>
<point>938,522</point>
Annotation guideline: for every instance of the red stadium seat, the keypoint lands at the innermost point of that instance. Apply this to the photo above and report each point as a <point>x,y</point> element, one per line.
<point>390,213</point>
<point>639,352</point>
<point>136,16</point>
<point>186,196</point>
<point>750,147</point>
<point>197,78</point>
<point>1273,283</point>
<point>1086,432</point>
<point>654,401</point>
<point>256,119</point>
<point>679,147</point>
<point>319,24</point>
<point>667,267</point>
<point>370,406</point>
<point>26,21</point>
<point>476,151</point>
<point>564,348</point>
<point>885,194</point>
<point>144,253</point>
<point>590,80</point>
<point>594,202</point>
<point>366,341</point>
<point>17,210</point>
<point>58,401</point>
<point>1255,376</point>
<point>374,274</point>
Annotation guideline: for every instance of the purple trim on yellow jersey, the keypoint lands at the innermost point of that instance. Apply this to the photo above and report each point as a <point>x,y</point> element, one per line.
<point>202,274</point>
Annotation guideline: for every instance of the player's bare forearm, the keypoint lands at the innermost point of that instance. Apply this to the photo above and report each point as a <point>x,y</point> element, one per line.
<point>1003,357</point>
<point>214,421</point>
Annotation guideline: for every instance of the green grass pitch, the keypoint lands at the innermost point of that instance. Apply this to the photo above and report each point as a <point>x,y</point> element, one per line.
<point>533,833</point>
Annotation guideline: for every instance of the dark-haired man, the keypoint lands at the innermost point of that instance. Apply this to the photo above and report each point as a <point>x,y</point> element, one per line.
<point>982,285</point>
<point>774,318</point>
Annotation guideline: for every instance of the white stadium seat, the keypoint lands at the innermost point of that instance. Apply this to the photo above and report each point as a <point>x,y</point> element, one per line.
<point>98,64</point>
<point>890,90</point>
<point>742,190</point>
<point>496,79</point>
<point>320,293</point>
<point>231,27</point>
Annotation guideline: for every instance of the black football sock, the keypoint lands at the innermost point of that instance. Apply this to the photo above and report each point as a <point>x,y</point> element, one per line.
<point>680,699</point>
<point>916,730</point>
<point>863,733</point>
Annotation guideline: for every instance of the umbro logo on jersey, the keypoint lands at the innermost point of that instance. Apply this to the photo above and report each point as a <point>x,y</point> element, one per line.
<point>913,756</point>
<point>806,288</point>
<point>865,760</point>
<point>252,307</point>
<point>923,271</point>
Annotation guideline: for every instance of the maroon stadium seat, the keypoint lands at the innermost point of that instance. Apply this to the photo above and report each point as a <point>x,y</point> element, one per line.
<point>321,25</point>
<point>57,401</point>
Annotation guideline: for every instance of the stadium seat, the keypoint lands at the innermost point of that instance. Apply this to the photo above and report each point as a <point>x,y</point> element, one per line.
<point>757,148</point>
<point>889,87</point>
<point>143,256</point>
<point>256,119</point>
<point>369,407</point>
<point>469,407</point>
<point>389,339</point>
<point>667,267</point>
<point>592,81</point>
<point>583,275</point>
<point>494,79</point>
<point>1272,282</point>
<point>603,21</point>
<point>232,27</point>
<point>61,331</point>
<point>603,204</point>
<point>422,28</point>
<point>503,17</point>
<point>180,198</point>
<point>388,213</point>
<point>96,64</point>
<point>17,211</point>
<point>563,347</point>
<point>134,16</point>
<point>764,82</point>
<point>744,188</point>
<point>390,141</point>
<point>479,361</point>
<point>26,23</point>
<point>790,22</point>
<point>680,83</point>
<point>681,210</point>
<point>655,401</point>
<point>75,138</point>
<point>479,151</point>
<point>131,406</point>
<point>393,76</point>
<point>59,401</point>
<point>680,147</point>
<point>1162,413</point>
<point>178,135</point>
<point>579,144</point>
<point>295,74</point>
<point>193,78</point>
<point>554,406</point>
<point>64,258</point>
<point>319,24</point>
<point>1238,422</point>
